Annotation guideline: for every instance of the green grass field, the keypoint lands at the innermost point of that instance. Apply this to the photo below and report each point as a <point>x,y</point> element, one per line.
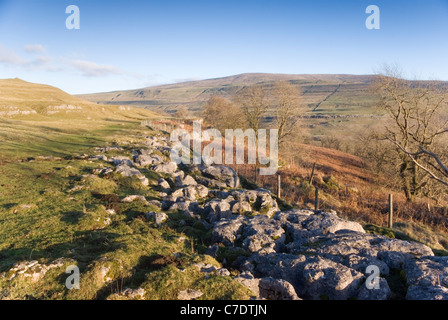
<point>41,219</point>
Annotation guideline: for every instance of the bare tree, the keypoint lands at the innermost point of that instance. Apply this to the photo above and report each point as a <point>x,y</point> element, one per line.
<point>254,104</point>
<point>418,123</point>
<point>182,112</point>
<point>222,114</point>
<point>288,108</point>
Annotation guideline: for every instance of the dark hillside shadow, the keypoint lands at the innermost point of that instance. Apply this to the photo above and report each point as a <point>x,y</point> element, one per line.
<point>84,247</point>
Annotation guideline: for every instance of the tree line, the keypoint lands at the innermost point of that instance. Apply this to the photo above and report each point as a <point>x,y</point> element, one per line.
<point>410,146</point>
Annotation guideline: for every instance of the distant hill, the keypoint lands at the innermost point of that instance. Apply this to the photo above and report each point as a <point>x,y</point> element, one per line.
<point>21,99</point>
<point>326,94</point>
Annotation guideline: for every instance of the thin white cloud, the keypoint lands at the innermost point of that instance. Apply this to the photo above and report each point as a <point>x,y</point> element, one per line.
<point>44,63</point>
<point>92,69</point>
<point>47,63</point>
<point>9,57</point>
<point>34,48</point>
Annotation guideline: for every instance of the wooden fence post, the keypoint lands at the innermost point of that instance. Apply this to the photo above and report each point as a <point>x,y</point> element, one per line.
<point>316,199</point>
<point>310,182</point>
<point>391,211</point>
<point>255,174</point>
<point>279,186</point>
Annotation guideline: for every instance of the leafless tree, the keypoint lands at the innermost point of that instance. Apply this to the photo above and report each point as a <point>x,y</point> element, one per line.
<point>222,114</point>
<point>418,125</point>
<point>288,109</point>
<point>182,112</point>
<point>254,103</point>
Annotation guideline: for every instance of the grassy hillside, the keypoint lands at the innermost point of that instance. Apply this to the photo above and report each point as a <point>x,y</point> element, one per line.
<point>324,94</point>
<point>333,103</point>
<point>38,119</point>
<point>24,100</point>
<point>53,205</point>
<point>49,204</point>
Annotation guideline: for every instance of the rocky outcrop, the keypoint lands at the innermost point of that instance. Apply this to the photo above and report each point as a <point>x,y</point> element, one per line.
<point>145,158</point>
<point>219,176</point>
<point>295,254</point>
<point>325,257</point>
<point>35,270</point>
<point>427,278</point>
<point>278,255</point>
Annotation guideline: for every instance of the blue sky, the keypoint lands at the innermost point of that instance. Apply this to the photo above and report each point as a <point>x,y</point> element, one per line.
<point>137,43</point>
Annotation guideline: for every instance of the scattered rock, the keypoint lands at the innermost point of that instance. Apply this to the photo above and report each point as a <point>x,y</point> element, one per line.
<point>186,181</point>
<point>136,294</point>
<point>34,270</point>
<point>132,198</point>
<point>127,171</point>
<point>167,167</point>
<point>222,272</point>
<point>158,217</point>
<point>162,183</point>
<point>121,161</point>
<point>189,294</point>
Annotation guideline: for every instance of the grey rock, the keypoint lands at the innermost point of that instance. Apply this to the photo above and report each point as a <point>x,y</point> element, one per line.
<point>262,233</point>
<point>143,160</point>
<point>132,198</point>
<point>127,171</point>
<point>222,272</point>
<point>240,207</point>
<point>35,270</point>
<point>136,294</point>
<point>186,181</point>
<point>212,250</point>
<point>265,204</point>
<point>163,184</point>
<point>382,293</point>
<point>360,263</point>
<point>353,249</point>
<point>189,294</point>
<point>245,195</point>
<point>248,280</point>
<point>121,160</point>
<point>211,182</point>
<point>437,292</point>
<point>155,203</point>
<point>217,209</point>
<point>222,194</point>
<point>393,259</point>
<point>167,167</point>
<point>158,217</point>
<point>427,271</point>
<point>227,231</point>
<point>313,277</point>
<point>276,289</point>
<point>189,208</point>
<point>324,279</point>
<point>201,191</point>
<point>145,157</point>
<point>223,174</point>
